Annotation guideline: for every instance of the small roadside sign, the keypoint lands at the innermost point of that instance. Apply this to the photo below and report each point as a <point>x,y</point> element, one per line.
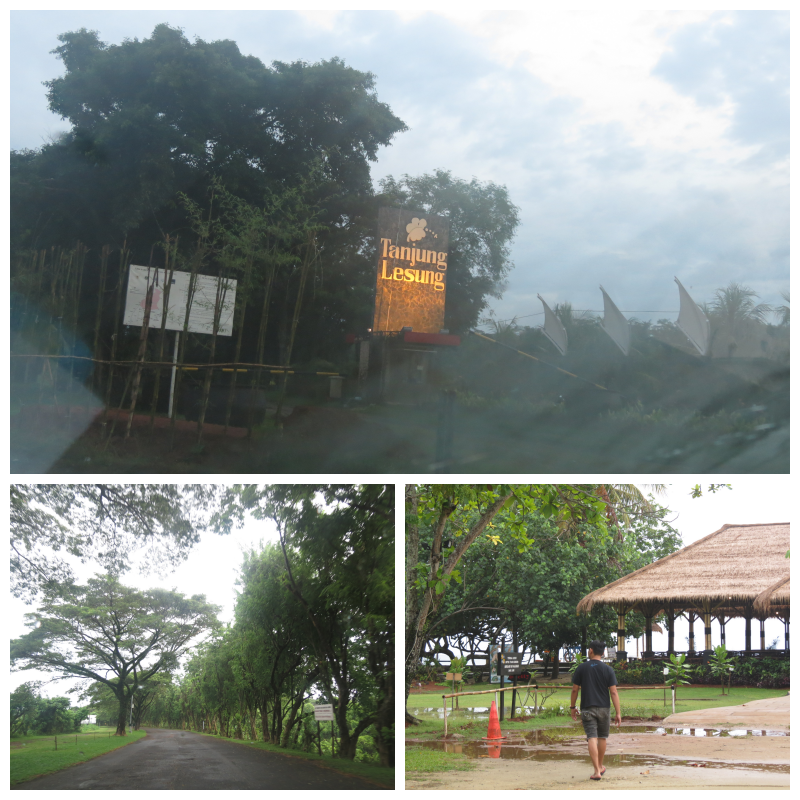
<point>511,663</point>
<point>323,712</point>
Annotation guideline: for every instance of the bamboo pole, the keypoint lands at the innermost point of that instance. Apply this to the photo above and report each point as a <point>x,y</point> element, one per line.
<point>304,270</point>
<point>98,315</point>
<point>219,302</point>
<point>242,294</point>
<point>140,359</point>
<point>164,307</point>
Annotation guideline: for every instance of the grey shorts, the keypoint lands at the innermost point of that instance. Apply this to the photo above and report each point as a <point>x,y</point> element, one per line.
<point>596,722</point>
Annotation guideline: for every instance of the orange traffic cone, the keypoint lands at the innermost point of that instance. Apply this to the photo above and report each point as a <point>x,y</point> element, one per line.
<point>494,724</point>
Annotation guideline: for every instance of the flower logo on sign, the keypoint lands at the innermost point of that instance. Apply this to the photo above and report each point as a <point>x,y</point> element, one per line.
<point>155,302</point>
<point>416,229</point>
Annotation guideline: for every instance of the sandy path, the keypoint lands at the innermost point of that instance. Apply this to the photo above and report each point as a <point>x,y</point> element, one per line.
<point>736,753</point>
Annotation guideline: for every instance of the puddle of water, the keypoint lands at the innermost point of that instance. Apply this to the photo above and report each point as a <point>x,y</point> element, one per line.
<point>527,753</point>
<point>717,732</point>
<point>476,712</point>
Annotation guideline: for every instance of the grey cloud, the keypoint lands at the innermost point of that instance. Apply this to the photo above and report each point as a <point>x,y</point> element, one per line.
<point>747,61</point>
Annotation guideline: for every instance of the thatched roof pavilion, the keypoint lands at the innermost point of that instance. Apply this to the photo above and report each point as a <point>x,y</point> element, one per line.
<point>723,574</point>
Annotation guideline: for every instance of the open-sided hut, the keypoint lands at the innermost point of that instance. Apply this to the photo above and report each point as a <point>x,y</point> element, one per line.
<point>737,571</point>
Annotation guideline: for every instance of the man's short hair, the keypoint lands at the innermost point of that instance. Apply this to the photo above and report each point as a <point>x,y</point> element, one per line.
<point>598,648</point>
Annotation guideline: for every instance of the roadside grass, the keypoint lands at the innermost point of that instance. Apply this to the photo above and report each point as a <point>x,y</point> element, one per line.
<point>418,759</point>
<point>639,703</point>
<point>32,756</point>
<point>373,772</point>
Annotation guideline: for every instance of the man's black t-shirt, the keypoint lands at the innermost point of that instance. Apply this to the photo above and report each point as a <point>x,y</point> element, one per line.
<point>594,677</point>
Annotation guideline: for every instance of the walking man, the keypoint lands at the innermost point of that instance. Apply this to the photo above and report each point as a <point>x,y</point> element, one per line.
<point>597,684</point>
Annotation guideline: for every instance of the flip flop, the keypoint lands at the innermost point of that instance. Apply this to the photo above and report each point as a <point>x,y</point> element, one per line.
<point>603,772</point>
<point>594,778</point>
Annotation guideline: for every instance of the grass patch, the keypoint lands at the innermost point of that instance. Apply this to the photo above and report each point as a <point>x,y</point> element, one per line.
<point>419,759</point>
<point>33,756</point>
<point>642,703</point>
<point>373,772</point>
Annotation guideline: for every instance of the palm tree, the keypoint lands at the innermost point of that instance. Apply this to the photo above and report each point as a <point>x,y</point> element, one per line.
<point>734,310</point>
<point>783,311</point>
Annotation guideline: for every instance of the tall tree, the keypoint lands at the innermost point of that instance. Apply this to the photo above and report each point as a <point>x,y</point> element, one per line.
<point>162,114</point>
<point>110,633</point>
<point>469,511</point>
<point>338,548</point>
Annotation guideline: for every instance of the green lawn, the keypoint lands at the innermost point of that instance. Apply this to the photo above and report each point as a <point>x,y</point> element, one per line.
<point>635,703</point>
<point>32,756</point>
<point>373,772</point>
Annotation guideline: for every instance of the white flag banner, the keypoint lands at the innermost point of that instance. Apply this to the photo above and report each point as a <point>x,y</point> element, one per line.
<point>553,329</point>
<point>615,325</point>
<point>201,316</point>
<point>693,322</point>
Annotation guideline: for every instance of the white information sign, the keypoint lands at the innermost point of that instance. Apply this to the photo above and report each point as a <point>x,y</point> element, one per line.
<point>201,317</point>
<point>323,712</point>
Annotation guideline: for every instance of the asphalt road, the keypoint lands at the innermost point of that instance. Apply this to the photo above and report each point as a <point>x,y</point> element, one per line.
<point>181,760</point>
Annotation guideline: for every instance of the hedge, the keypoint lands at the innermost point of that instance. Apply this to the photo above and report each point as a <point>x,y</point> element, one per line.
<point>766,673</point>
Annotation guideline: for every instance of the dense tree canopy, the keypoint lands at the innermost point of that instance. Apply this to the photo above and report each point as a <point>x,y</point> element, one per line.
<point>104,523</point>
<point>113,634</point>
<point>531,597</point>
<point>156,116</point>
<point>444,520</point>
<point>338,548</point>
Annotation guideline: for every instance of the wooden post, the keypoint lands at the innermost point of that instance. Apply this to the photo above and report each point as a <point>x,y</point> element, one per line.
<point>707,622</point>
<point>444,703</point>
<point>691,631</point>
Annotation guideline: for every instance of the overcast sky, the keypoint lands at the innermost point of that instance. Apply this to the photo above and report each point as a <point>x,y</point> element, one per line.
<point>638,145</point>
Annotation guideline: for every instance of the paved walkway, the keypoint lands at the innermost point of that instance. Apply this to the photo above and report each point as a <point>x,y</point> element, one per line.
<point>768,714</point>
<point>167,759</point>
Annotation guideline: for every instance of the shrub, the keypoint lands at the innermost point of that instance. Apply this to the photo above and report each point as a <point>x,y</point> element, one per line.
<point>638,673</point>
<point>763,673</point>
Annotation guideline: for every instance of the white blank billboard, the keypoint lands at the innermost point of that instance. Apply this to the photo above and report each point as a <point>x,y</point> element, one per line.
<point>201,317</point>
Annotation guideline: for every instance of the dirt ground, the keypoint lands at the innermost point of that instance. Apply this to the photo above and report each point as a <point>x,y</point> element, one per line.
<point>657,761</point>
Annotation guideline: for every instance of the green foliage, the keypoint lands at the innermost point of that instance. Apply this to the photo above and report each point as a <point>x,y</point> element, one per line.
<point>23,707</point>
<point>679,672</point>
<point>638,673</point>
<point>721,664</point>
<point>113,634</point>
<point>758,672</point>
<point>534,593</point>
<point>579,659</point>
<point>313,623</point>
<point>697,489</point>
<point>105,523</point>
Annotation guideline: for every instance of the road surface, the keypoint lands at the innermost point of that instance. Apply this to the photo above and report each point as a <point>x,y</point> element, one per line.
<point>167,759</point>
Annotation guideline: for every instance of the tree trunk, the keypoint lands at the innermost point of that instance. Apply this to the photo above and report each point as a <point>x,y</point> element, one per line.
<point>122,717</point>
<point>554,668</point>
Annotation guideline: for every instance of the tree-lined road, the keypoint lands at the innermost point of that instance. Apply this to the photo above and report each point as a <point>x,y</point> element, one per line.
<point>172,759</point>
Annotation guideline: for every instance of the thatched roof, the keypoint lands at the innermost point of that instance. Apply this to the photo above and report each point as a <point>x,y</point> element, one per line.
<point>733,565</point>
<point>775,595</point>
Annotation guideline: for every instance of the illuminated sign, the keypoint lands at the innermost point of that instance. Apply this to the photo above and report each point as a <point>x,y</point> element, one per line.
<point>412,271</point>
